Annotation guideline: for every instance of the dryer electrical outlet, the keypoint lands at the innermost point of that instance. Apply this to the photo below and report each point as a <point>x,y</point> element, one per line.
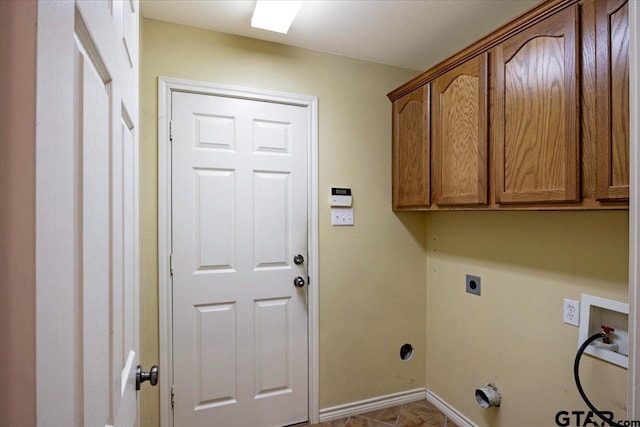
<point>473,284</point>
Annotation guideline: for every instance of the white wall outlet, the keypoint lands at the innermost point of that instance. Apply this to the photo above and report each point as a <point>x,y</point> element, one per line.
<point>571,312</point>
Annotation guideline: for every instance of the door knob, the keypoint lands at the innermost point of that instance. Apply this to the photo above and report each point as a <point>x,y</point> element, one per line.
<point>298,282</point>
<point>298,259</point>
<point>151,376</point>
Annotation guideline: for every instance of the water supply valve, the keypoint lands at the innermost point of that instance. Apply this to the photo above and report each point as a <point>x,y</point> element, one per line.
<point>605,343</point>
<point>606,331</point>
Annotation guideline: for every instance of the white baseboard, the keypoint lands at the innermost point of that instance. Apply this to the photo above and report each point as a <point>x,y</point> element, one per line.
<point>395,399</point>
<point>451,413</point>
<point>368,405</point>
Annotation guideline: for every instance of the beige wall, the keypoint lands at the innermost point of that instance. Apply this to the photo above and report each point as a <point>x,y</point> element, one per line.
<point>513,334</point>
<point>17,213</point>
<point>372,275</point>
<point>372,290</point>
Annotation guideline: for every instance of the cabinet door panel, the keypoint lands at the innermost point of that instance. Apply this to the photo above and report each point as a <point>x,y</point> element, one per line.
<point>411,173</point>
<point>612,147</point>
<point>460,119</point>
<point>536,122</point>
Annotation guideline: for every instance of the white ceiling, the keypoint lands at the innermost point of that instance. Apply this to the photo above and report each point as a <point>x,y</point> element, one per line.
<point>413,34</point>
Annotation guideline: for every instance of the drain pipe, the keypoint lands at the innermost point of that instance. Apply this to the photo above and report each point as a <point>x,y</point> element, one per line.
<point>488,396</point>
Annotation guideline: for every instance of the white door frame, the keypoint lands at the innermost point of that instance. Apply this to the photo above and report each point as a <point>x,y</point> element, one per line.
<point>166,85</point>
<point>633,382</point>
<point>57,266</point>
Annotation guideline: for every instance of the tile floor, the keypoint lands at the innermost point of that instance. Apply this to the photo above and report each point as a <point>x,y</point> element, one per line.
<point>416,414</point>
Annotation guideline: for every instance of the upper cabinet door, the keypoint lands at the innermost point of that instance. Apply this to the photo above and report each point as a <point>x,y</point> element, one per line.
<point>536,117</point>
<point>459,146</point>
<point>411,150</point>
<point>612,68</point>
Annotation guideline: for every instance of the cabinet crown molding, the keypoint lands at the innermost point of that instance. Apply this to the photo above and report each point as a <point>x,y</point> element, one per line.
<point>527,19</point>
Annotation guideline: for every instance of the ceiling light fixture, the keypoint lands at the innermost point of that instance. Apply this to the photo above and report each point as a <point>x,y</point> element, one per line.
<point>275,15</point>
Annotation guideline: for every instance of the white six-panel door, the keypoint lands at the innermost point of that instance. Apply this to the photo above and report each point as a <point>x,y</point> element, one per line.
<point>239,216</point>
<point>88,160</point>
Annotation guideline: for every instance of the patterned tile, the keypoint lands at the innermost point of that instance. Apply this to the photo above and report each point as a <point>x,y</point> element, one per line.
<point>366,422</point>
<point>416,414</point>
<point>387,415</point>
<point>342,422</point>
<point>420,415</point>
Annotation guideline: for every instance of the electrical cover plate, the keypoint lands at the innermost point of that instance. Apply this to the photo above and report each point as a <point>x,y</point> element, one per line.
<point>571,314</point>
<point>341,216</point>
<point>473,285</point>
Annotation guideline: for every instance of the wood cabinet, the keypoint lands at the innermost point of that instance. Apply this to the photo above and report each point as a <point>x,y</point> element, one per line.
<point>411,134</point>
<point>459,125</point>
<point>612,106</point>
<point>536,117</point>
<point>550,130</point>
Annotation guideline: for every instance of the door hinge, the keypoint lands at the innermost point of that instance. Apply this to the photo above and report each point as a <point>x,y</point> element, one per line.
<point>173,397</point>
<point>171,264</point>
<point>171,130</point>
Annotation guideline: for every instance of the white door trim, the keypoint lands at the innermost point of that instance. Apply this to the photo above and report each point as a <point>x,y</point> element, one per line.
<point>57,209</point>
<point>166,85</point>
<point>633,383</point>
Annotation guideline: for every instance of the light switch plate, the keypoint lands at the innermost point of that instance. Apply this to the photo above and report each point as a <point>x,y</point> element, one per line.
<point>341,216</point>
